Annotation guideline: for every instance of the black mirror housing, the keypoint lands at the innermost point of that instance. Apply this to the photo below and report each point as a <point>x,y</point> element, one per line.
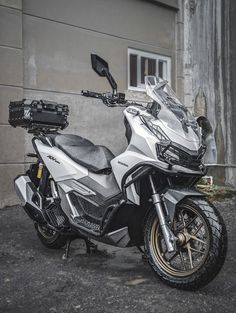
<point>205,124</point>
<point>101,67</point>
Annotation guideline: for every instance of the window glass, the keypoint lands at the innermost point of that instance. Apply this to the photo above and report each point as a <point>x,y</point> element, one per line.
<point>160,69</point>
<point>148,67</point>
<point>133,70</point>
<point>143,63</point>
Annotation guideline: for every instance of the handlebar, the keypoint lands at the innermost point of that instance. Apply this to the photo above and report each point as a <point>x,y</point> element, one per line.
<point>91,94</point>
<point>108,99</point>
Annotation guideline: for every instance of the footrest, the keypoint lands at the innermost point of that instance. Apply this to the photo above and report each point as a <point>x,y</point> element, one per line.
<point>83,222</point>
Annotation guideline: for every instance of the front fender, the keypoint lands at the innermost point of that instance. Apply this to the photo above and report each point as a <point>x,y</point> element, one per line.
<point>173,196</point>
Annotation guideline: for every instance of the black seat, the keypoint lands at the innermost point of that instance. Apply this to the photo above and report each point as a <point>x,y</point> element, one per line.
<point>95,158</point>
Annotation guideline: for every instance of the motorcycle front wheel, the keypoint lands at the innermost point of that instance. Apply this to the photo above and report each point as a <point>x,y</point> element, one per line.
<point>201,245</point>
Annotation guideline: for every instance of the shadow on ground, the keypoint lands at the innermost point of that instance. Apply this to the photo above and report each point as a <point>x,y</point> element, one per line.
<point>36,279</point>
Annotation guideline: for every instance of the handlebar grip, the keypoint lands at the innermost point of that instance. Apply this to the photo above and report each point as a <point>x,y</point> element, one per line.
<point>91,94</point>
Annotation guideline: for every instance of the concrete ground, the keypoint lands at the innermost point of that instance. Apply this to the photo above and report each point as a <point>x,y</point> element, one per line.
<point>36,279</point>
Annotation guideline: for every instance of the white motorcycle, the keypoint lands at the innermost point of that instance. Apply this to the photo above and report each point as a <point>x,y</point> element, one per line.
<point>142,197</point>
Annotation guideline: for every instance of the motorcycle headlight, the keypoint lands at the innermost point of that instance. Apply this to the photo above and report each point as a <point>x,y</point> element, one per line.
<point>168,153</point>
<point>172,157</point>
<point>172,154</point>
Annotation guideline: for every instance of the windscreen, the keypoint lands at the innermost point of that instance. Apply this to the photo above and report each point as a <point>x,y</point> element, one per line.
<point>170,111</point>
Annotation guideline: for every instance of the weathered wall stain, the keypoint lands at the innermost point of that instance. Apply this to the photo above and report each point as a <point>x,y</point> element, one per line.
<point>206,75</point>
<point>200,105</point>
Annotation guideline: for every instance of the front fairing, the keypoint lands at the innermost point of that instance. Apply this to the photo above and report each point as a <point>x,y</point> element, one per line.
<point>172,116</point>
<point>173,131</point>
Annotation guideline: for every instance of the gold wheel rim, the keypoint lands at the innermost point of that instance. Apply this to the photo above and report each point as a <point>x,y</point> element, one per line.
<point>192,249</point>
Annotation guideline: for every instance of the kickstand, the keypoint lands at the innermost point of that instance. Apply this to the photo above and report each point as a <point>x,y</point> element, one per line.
<point>89,245</point>
<point>66,254</point>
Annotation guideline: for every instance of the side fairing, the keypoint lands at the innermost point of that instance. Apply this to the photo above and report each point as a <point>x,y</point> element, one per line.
<point>76,179</point>
<point>72,177</point>
<point>60,166</point>
<point>142,148</point>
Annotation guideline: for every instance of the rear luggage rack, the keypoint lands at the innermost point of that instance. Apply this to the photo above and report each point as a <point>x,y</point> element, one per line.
<point>38,115</point>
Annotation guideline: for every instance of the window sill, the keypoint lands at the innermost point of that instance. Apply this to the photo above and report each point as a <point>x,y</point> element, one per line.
<point>137,89</point>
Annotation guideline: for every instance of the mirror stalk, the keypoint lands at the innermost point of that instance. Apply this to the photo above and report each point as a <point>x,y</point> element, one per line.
<point>111,82</point>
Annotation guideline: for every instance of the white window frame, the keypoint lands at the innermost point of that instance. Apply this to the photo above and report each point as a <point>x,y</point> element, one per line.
<point>157,57</point>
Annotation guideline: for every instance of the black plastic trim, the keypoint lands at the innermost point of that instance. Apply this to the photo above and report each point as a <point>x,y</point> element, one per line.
<point>36,149</point>
<point>171,171</point>
<point>173,196</point>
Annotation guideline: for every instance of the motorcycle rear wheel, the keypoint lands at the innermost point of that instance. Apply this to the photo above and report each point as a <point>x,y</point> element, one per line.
<point>50,238</point>
<point>201,245</point>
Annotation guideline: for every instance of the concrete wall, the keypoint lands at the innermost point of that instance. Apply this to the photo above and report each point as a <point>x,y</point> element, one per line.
<point>11,83</point>
<point>206,67</point>
<point>231,71</point>
<point>52,62</point>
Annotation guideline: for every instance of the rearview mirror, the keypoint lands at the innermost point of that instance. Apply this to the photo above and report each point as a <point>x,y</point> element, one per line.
<point>205,124</point>
<point>101,67</point>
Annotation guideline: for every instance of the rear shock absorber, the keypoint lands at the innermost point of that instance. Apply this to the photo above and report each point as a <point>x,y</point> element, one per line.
<point>43,175</point>
<point>40,171</point>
